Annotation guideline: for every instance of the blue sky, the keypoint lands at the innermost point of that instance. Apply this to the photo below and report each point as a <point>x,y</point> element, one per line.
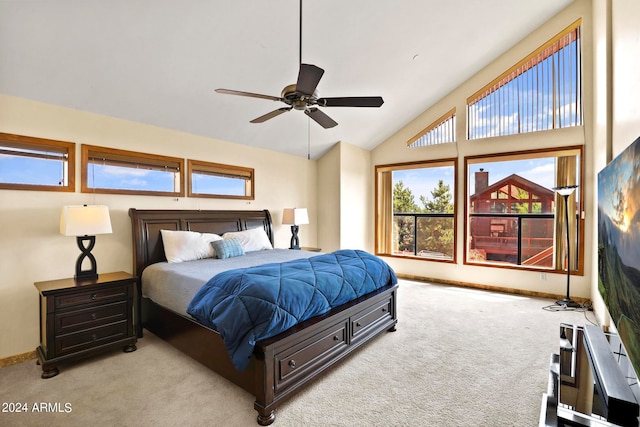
<point>25,170</point>
<point>34,171</point>
<point>422,181</point>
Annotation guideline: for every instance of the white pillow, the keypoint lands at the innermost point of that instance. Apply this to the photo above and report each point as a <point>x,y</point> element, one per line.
<point>187,245</point>
<point>255,239</point>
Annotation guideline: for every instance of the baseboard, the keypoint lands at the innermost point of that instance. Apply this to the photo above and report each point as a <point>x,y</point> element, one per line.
<point>490,288</point>
<point>18,358</point>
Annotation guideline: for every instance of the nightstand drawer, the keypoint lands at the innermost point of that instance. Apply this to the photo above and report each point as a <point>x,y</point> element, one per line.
<point>104,294</point>
<point>90,338</point>
<point>90,317</point>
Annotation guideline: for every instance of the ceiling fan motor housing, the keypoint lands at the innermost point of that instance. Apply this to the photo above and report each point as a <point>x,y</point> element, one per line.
<point>298,100</point>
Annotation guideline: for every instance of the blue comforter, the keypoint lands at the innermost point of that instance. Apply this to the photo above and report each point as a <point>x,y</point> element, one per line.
<point>250,304</point>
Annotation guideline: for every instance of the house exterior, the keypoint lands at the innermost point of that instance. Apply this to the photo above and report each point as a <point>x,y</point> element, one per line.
<point>512,235</point>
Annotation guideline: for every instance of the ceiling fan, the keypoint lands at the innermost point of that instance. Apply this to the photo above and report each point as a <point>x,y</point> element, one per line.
<point>303,95</point>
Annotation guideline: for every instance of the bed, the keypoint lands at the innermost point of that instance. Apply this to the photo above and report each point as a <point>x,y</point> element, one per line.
<point>280,366</point>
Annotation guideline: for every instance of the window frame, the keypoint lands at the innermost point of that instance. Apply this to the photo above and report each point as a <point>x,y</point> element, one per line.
<point>220,169</point>
<point>379,169</point>
<point>65,148</point>
<point>150,161</point>
<point>547,50</point>
<point>535,153</point>
<point>437,131</point>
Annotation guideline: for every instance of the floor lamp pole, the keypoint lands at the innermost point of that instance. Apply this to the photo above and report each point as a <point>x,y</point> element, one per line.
<point>566,192</point>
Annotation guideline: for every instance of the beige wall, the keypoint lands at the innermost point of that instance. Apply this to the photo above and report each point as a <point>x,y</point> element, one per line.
<point>329,200</point>
<point>355,203</point>
<point>31,248</point>
<point>394,151</point>
<point>344,202</point>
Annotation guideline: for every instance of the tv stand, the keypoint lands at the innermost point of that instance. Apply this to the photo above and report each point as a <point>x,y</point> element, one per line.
<point>591,382</point>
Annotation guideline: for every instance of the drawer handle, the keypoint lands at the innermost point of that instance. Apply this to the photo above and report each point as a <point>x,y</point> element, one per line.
<point>384,309</point>
<point>94,337</point>
<point>94,296</point>
<point>292,363</point>
<point>336,338</point>
<point>358,324</point>
<point>93,316</point>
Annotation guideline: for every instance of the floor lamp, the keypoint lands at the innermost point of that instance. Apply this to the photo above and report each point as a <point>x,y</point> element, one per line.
<point>565,192</point>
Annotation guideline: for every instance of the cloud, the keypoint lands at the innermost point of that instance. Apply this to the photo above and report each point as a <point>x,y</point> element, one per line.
<point>120,171</point>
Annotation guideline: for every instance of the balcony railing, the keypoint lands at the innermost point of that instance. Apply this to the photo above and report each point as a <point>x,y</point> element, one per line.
<point>525,239</point>
<point>524,236</point>
<point>428,235</point>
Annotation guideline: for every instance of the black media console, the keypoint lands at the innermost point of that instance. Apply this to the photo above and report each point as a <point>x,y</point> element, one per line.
<point>591,382</point>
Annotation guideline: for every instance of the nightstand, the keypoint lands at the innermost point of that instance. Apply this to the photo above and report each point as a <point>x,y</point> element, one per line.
<point>83,318</point>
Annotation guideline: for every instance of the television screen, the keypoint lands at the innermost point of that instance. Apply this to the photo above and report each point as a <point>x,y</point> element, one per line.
<point>619,246</point>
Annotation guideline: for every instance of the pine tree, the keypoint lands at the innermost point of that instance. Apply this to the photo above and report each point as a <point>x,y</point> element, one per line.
<point>403,202</point>
<point>436,234</point>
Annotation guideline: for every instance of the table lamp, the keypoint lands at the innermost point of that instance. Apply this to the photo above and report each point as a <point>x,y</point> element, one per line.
<point>85,222</point>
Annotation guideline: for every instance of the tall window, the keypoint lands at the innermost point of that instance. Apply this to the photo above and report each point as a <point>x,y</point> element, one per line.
<point>415,210</point>
<point>441,131</point>
<point>220,181</point>
<point>28,163</point>
<point>514,217</point>
<point>541,92</point>
<point>107,170</point>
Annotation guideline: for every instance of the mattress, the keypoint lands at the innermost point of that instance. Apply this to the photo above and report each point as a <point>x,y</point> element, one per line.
<point>173,285</point>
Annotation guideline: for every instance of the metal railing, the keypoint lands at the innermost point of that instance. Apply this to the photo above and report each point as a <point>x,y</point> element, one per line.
<point>510,244</point>
<point>414,217</point>
<point>522,247</point>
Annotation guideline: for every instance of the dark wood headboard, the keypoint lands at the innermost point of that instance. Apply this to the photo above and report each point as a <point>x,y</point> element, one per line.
<point>146,226</point>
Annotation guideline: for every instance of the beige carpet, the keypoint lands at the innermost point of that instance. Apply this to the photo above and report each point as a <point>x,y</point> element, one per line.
<point>460,357</point>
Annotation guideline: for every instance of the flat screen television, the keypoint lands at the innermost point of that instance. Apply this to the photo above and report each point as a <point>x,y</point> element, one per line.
<point>619,249</point>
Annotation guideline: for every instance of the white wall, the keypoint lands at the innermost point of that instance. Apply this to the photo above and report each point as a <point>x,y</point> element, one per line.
<point>617,91</point>
<point>31,248</point>
<point>394,150</point>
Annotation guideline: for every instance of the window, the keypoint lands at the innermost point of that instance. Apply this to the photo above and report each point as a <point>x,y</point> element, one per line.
<point>28,163</point>
<point>541,92</point>
<point>107,170</point>
<point>415,213</point>
<point>220,181</point>
<point>441,131</point>
<point>514,217</point>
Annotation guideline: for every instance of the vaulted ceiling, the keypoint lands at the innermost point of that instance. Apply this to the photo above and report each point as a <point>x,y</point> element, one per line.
<point>158,62</point>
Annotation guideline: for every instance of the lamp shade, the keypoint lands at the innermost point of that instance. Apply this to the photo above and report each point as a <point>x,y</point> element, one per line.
<point>565,190</point>
<point>295,216</point>
<point>86,220</point>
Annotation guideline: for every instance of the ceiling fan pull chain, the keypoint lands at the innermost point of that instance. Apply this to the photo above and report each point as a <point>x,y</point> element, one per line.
<point>308,136</point>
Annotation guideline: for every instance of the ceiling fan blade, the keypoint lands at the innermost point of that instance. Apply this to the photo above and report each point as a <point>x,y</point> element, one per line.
<point>271,115</point>
<point>249,94</point>
<point>321,118</point>
<point>352,101</point>
<point>308,78</point>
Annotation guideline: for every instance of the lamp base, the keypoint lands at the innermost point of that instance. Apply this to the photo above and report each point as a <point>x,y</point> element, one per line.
<point>92,272</point>
<point>85,277</point>
<point>295,241</point>
<point>568,302</point>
